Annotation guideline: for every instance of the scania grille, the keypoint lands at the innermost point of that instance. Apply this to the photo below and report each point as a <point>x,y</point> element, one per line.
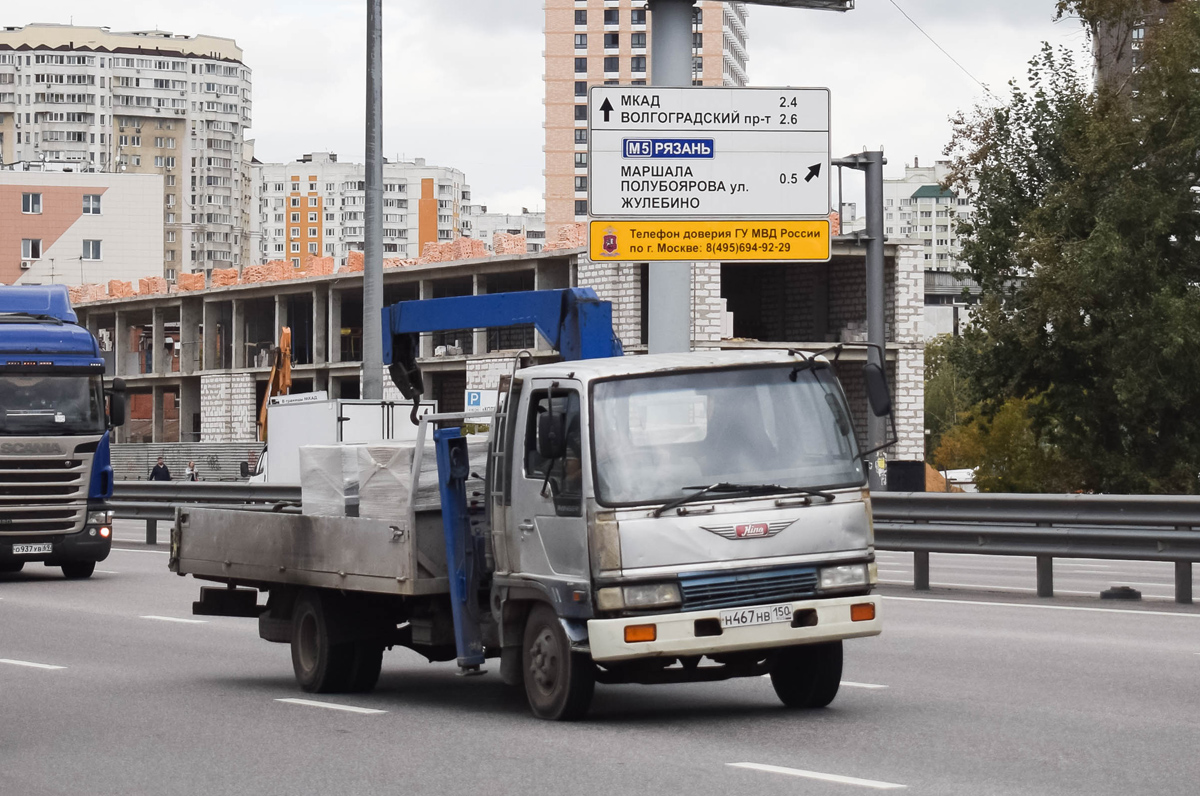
<point>43,496</point>
<point>733,590</point>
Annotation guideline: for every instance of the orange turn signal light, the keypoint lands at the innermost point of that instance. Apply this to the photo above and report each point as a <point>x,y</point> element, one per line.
<point>636,633</point>
<point>863,612</point>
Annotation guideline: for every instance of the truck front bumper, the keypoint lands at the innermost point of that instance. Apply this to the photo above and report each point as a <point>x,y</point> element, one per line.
<point>85,545</point>
<point>676,633</point>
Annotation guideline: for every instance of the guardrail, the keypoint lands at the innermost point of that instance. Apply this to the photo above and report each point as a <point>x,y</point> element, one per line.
<point>1124,527</point>
<point>155,501</point>
<point>1046,527</point>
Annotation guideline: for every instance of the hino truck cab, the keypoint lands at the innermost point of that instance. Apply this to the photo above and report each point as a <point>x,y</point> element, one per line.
<point>56,475</point>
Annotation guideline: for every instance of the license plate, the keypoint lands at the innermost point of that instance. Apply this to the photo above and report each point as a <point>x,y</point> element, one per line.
<point>758,615</point>
<point>31,549</point>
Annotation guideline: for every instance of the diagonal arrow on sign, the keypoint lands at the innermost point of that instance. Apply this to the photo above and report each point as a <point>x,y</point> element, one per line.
<point>813,171</point>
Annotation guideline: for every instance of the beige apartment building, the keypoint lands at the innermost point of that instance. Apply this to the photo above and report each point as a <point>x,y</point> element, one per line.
<point>89,99</point>
<point>607,42</point>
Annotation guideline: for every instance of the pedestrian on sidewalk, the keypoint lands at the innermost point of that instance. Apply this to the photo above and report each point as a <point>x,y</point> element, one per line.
<point>160,472</point>
<point>191,474</point>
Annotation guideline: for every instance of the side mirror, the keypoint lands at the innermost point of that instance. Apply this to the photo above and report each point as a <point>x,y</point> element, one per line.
<point>551,436</point>
<point>116,403</point>
<point>244,469</point>
<point>877,390</point>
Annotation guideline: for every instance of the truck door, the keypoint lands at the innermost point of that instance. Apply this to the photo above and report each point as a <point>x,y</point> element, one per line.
<point>550,532</point>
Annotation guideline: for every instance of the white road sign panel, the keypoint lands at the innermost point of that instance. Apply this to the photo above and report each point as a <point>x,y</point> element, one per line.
<point>708,152</point>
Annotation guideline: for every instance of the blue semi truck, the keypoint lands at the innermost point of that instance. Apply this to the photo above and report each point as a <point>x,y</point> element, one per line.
<point>56,417</point>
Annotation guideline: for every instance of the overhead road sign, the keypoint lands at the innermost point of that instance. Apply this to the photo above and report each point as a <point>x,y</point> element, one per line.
<point>757,240</point>
<point>708,153</point>
<point>818,5</point>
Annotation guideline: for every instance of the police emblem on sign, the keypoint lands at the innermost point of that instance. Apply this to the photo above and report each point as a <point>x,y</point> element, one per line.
<point>609,242</point>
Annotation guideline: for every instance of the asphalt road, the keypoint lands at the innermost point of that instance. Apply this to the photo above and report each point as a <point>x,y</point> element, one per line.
<point>969,691</point>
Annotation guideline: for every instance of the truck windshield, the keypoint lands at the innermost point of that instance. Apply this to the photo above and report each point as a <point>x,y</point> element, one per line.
<point>655,435</point>
<point>50,404</point>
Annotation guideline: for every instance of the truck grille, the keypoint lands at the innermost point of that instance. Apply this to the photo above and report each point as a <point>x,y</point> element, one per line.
<point>736,589</point>
<point>43,496</point>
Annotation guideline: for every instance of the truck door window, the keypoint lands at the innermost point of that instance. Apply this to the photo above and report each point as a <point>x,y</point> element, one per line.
<point>566,474</point>
<point>510,438</point>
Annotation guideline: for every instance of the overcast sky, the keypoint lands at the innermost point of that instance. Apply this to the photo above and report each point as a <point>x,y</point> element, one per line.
<point>463,78</point>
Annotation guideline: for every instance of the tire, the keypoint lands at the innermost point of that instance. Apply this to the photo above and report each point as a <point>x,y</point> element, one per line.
<point>808,676</point>
<point>11,566</point>
<point>558,683</point>
<point>364,669</point>
<point>78,570</point>
<point>321,667</point>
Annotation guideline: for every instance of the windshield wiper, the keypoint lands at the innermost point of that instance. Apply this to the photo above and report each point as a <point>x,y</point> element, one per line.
<point>725,488</point>
<point>26,317</point>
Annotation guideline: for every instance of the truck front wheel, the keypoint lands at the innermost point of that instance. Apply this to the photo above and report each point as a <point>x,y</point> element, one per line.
<point>320,665</point>
<point>558,683</point>
<point>808,676</point>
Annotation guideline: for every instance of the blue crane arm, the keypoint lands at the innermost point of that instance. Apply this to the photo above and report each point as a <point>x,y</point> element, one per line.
<point>575,320</point>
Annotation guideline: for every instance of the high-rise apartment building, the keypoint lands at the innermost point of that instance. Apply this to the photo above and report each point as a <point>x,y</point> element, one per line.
<point>142,102</point>
<point>316,205</point>
<point>607,42</point>
<point>1117,45</point>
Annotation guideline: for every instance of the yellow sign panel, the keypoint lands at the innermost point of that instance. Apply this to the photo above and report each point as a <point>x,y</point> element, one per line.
<point>719,241</point>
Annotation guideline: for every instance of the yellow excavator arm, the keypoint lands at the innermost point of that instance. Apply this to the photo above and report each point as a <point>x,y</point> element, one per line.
<point>280,381</point>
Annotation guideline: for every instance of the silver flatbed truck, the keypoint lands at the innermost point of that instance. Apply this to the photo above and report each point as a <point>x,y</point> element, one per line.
<point>651,519</point>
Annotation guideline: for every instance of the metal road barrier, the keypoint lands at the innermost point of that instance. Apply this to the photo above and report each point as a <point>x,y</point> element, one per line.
<point>1123,527</point>
<point>1046,527</point>
<point>153,501</point>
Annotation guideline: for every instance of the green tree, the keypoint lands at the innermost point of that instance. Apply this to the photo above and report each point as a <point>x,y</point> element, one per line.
<point>1086,244</point>
<point>948,395</point>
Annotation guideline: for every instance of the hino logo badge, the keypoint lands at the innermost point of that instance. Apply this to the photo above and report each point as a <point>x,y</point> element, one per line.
<point>31,449</point>
<point>749,530</point>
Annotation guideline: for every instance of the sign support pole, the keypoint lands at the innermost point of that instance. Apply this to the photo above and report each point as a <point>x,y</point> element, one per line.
<point>669,314</point>
<point>372,366</point>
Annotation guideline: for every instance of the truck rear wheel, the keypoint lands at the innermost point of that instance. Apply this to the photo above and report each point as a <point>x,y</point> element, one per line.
<point>321,666</point>
<point>11,566</point>
<point>808,676</point>
<point>558,683</point>
<point>78,570</point>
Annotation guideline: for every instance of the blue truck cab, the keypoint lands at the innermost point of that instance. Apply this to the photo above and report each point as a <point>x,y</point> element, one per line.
<point>56,476</point>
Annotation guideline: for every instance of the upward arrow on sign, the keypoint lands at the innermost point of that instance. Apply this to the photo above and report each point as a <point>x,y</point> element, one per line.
<point>606,108</point>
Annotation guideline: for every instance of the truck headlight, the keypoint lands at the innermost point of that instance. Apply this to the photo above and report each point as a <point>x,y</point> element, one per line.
<point>642,595</point>
<point>100,518</point>
<point>843,576</point>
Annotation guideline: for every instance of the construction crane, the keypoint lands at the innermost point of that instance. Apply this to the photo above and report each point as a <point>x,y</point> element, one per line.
<point>280,381</point>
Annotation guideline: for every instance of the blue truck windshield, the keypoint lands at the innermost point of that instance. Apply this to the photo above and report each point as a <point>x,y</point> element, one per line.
<point>48,404</point>
<point>655,435</point>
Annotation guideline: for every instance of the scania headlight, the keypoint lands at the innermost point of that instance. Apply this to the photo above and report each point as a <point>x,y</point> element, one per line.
<point>641,595</point>
<point>843,576</point>
<point>100,518</point>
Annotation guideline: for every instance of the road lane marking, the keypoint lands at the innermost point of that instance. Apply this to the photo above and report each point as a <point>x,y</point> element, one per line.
<point>330,706</point>
<point>107,572</point>
<point>130,550</point>
<point>798,772</point>
<point>871,686</point>
<point>30,665</point>
<point>1044,607</point>
<point>177,619</point>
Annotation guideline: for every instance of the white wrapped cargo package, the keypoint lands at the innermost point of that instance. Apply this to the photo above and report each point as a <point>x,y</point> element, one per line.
<point>384,476</point>
<point>329,480</point>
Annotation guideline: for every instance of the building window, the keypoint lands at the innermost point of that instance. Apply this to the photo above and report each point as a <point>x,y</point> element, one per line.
<point>91,250</point>
<point>612,64</point>
<point>581,160</point>
<point>313,201</point>
<point>580,41</point>
<point>296,247</point>
<point>637,64</point>
<point>612,16</point>
<point>581,183</point>
<point>697,41</point>
<point>698,65</point>
<point>697,16</point>
<point>31,203</point>
<point>637,40</point>
<point>312,218</point>
<point>580,16</point>
<point>295,218</point>
<point>581,113</point>
<point>581,136</point>
<point>313,248</point>
<point>612,41</point>
<point>581,66</point>
<point>295,201</point>
<point>313,232</point>
<point>581,207</point>
<point>31,249</point>
<point>580,88</point>
<point>637,16</point>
